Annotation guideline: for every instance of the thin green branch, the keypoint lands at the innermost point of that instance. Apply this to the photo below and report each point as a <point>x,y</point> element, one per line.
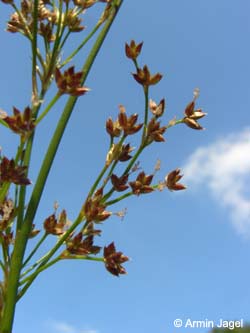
<point>48,108</point>
<point>42,239</point>
<point>33,275</point>
<point>73,54</point>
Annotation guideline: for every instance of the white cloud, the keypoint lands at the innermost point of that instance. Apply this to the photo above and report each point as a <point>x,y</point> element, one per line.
<point>63,327</point>
<point>224,168</point>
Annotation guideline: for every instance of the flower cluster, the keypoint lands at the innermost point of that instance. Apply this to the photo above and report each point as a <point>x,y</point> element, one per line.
<point>12,173</point>
<point>21,123</point>
<point>94,209</point>
<point>192,114</point>
<point>113,260</point>
<point>70,82</point>
<point>55,226</point>
<point>48,17</point>
<point>81,245</point>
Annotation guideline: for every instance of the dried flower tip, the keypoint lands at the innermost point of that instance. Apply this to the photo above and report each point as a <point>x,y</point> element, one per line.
<point>161,186</point>
<point>121,213</point>
<point>136,167</point>
<point>133,50</point>
<point>122,108</point>
<point>157,165</point>
<point>172,179</point>
<point>196,93</point>
<point>113,260</point>
<point>157,109</point>
<point>56,205</point>
<point>172,122</point>
<point>3,114</point>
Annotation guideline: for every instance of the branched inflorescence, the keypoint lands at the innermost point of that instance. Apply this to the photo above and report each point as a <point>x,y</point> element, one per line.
<point>121,175</point>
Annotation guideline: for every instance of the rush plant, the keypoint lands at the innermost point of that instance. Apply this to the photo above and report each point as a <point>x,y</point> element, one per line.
<point>47,25</point>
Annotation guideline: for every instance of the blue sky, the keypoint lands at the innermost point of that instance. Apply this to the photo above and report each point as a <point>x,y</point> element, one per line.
<point>189,250</point>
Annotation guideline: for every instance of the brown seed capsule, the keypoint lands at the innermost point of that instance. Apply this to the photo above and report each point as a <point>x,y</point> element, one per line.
<point>113,260</point>
<point>142,184</point>
<point>133,50</point>
<point>171,181</point>
<point>144,77</point>
<point>70,82</point>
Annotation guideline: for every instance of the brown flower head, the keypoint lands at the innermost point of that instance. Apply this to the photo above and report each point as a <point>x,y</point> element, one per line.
<point>144,77</point>
<point>113,128</point>
<point>133,50</point>
<point>84,4</point>
<point>155,132</point>
<point>7,213</point>
<point>34,232</point>
<point>82,246</point>
<point>7,2</point>
<point>7,238</point>
<point>171,181</point>
<point>192,114</point>
<point>124,153</point>
<point>21,123</point>
<point>73,21</point>
<point>192,123</point>
<point>128,124</point>
<point>46,30</point>
<point>142,184</point>
<point>12,173</point>
<point>70,82</point>
<point>113,260</point>
<point>89,230</point>
<point>55,226</point>
<point>119,183</point>
<point>157,109</point>
<point>94,209</point>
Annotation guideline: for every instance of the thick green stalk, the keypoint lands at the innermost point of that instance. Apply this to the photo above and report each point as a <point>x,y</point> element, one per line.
<point>22,235</point>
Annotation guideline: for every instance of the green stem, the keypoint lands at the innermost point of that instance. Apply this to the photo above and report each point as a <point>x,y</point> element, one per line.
<point>144,134</point>
<point>22,235</point>
<point>112,202</point>
<point>34,53</point>
<point>2,122</point>
<point>70,57</point>
<point>28,278</point>
<point>106,166</point>
<point>79,257</point>
<point>35,249</point>
<point>50,105</point>
<point>50,254</point>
